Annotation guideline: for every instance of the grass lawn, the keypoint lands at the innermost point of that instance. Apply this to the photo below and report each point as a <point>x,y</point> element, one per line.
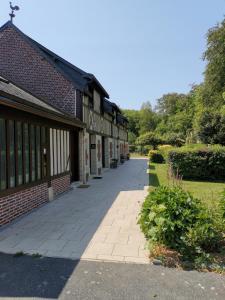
<point>209,192</point>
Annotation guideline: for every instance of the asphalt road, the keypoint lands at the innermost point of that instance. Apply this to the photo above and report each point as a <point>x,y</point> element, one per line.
<point>51,278</point>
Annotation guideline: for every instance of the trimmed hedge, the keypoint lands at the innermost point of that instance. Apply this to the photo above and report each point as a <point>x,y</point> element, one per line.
<point>164,150</point>
<point>155,156</point>
<point>208,163</point>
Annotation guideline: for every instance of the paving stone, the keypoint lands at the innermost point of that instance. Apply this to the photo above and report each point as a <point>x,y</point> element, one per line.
<point>100,248</point>
<point>95,223</point>
<point>53,245</point>
<point>110,257</point>
<point>126,250</point>
<point>138,260</point>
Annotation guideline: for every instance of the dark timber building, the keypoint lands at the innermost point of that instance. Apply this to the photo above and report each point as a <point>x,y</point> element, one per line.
<point>57,125</point>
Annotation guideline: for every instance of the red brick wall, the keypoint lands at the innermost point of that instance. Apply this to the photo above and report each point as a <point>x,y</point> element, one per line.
<point>17,204</point>
<point>23,65</point>
<point>61,184</point>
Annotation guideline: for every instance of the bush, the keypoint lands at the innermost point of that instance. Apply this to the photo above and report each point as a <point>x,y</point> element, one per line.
<point>174,218</point>
<point>208,163</point>
<point>164,150</point>
<point>222,205</point>
<point>155,156</point>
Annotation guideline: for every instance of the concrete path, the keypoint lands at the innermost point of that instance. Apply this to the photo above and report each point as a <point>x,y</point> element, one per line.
<point>98,223</point>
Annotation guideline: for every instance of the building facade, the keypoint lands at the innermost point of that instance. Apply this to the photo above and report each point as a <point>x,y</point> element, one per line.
<point>57,125</point>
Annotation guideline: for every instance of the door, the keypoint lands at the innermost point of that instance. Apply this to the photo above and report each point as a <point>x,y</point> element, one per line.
<point>74,152</point>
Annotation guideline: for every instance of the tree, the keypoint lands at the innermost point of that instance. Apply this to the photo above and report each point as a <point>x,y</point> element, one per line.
<point>212,127</point>
<point>133,117</point>
<point>214,82</point>
<point>148,139</point>
<point>168,104</point>
<point>148,118</point>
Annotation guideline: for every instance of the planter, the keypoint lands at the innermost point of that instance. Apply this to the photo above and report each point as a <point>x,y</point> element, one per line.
<point>113,164</point>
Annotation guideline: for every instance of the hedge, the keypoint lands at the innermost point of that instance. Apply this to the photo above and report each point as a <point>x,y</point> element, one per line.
<point>206,164</point>
<point>155,156</point>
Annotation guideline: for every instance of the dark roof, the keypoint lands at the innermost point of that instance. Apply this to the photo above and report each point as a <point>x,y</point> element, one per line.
<point>78,77</point>
<point>121,119</point>
<point>109,107</point>
<point>12,89</point>
<point>13,96</point>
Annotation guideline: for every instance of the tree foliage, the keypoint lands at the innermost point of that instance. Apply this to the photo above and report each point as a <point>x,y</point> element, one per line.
<point>198,116</point>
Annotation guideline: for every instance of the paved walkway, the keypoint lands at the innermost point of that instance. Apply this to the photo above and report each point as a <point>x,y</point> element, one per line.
<point>98,223</point>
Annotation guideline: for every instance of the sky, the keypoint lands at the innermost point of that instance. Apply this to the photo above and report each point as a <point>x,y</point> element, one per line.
<point>138,49</point>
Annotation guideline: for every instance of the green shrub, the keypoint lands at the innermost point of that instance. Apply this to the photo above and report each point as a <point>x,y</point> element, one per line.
<point>172,217</point>
<point>164,150</point>
<point>155,156</point>
<point>207,163</point>
<point>222,205</point>
<point>175,140</point>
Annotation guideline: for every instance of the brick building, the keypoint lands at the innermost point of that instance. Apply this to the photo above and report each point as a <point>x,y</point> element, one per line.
<point>57,125</point>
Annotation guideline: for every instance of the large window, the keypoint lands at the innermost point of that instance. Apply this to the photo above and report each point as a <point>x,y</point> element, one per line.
<point>23,153</point>
<point>59,151</point>
<point>3,178</point>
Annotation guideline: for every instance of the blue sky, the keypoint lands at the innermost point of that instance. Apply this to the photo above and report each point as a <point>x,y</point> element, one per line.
<point>138,49</point>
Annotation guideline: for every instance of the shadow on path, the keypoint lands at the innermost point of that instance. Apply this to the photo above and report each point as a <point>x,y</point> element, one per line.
<point>27,276</point>
<point>63,228</point>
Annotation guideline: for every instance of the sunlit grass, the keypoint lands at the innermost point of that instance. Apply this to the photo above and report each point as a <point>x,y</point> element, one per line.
<point>209,192</point>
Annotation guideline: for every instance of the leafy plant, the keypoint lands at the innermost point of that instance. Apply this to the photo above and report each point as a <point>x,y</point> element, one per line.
<point>172,217</point>
<point>155,156</point>
<point>164,150</point>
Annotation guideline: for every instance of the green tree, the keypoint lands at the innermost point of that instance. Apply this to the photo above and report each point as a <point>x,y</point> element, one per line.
<point>148,139</point>
<point>212,127</point>
<point>133,117</point>
<point>148,118</point>
<point>214,82</point>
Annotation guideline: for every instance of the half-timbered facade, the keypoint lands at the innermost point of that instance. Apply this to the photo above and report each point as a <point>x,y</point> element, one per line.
<point>86,135</point>
<point>36,142</point>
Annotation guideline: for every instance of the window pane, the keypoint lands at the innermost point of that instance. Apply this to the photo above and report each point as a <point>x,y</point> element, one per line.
<point>62,151</point>
<point>38,149</point>
<point>27,153</point>
<point>2,155</point>
<point>33,161</point>
<point>44,151</point>
<point>55,152</point>
<point>59,152</point>
<point>19,152</point>
<point>51,151</point>
<point>11,154</point>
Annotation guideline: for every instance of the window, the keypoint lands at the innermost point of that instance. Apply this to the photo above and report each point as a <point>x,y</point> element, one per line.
<point>19,143</point>
<point>32,150</point>
<point>38,149</point>
<point>2,155</point>
<point>59,151</point>
<point>44,151</point>
<point>27,153</point>
<point>23,153</point>
<point>12,178</point>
